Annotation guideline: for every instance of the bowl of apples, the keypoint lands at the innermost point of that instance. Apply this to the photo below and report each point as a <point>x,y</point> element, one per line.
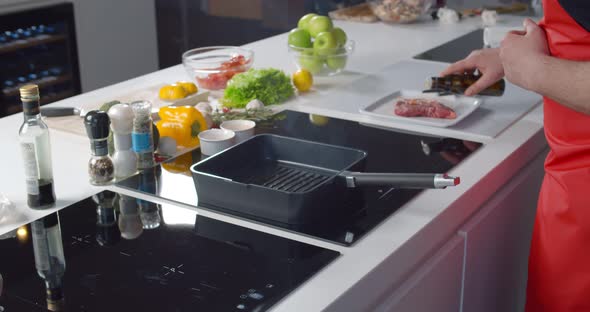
<point>319,47</point>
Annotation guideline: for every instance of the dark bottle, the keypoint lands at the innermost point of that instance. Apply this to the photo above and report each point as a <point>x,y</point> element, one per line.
<point>49,258</point>
<point>36,151</point>
<point>460,83</point>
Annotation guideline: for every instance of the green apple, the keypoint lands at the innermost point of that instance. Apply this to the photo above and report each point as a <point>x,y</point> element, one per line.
<point>308,60</point>
<point>340,36</point>
<point>336,62</point>
<point>319,24</point>
<point>325,44</point>
<point>300,38</point>
<point>304,21</point>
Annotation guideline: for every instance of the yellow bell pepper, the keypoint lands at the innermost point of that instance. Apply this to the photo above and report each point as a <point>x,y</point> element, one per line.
<point>181,164</point>
<point>182,123</point>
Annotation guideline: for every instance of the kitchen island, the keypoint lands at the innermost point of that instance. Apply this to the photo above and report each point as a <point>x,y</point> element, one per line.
<point>461,249</point>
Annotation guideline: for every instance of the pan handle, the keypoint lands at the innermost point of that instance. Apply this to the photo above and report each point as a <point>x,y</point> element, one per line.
<point>401,180</point>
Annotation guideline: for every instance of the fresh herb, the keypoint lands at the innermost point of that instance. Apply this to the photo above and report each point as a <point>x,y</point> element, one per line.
<point>271,86</point>
<point>262,117</point>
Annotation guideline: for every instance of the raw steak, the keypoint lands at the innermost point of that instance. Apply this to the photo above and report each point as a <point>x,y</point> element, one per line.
<point>423,108</point>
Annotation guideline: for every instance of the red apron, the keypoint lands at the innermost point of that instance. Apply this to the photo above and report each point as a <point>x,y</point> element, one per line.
<point>559,263</point>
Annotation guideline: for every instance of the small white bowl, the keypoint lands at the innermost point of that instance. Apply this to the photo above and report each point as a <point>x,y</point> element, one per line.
<point>244,129</point>
<point>214,141</point>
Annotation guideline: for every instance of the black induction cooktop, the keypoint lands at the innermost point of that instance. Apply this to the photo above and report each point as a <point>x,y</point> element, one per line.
<point>112,252</point>
<point>388,151</point>
<point>456,49</point>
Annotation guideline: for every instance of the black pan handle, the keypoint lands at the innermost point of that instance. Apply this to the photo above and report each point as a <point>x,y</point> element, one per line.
<point>400,180</point>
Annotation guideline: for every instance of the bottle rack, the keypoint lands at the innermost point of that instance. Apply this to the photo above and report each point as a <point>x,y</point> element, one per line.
<point>38,46</point>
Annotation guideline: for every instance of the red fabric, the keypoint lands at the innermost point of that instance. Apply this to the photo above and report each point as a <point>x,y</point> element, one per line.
<point>559,263</point>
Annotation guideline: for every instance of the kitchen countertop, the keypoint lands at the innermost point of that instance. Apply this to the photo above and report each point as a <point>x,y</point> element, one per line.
<point>424,222</point>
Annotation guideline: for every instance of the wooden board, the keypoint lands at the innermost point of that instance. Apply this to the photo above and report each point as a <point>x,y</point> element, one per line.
<point>75,124</point>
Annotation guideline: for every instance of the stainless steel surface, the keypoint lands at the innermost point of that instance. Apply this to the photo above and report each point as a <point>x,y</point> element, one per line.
<point>444,180</point>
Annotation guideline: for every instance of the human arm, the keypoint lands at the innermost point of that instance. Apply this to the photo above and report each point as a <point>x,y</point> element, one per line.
<point>528,64</point>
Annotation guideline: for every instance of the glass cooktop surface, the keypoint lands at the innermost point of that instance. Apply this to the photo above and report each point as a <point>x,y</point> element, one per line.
<point>388,151</point>
<point>113,252</point>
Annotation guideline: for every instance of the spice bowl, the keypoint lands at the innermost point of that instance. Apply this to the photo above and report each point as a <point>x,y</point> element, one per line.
<point>214,141</point>
<point>244,129</point>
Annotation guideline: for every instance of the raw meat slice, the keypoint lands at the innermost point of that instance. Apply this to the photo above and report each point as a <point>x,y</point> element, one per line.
<point>418,107</point>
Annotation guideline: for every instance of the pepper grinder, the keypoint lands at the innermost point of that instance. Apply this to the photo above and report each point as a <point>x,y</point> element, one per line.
<point>124,158</point>
<point>100,166</point>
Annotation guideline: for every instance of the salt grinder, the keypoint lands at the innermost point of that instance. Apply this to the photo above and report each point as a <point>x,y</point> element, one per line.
<point>100,165</point>
<point>124,158</point>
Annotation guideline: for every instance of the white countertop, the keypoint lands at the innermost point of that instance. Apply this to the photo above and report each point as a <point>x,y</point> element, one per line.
<point>424,222</point>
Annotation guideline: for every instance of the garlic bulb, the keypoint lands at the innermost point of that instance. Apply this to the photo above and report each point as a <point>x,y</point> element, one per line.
<point>254,105</point>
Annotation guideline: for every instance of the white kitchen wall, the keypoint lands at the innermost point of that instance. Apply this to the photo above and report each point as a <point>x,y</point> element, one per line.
<point>116,40</point>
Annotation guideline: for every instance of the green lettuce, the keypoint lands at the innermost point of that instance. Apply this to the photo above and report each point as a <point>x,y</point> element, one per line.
<point>271,86</point>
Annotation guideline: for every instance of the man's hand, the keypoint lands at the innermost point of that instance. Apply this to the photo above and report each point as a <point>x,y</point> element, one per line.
<point>522,54</point>
<point>486,61</point>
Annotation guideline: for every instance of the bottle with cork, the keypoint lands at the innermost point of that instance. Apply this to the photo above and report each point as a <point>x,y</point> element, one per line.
<point>36,151</point>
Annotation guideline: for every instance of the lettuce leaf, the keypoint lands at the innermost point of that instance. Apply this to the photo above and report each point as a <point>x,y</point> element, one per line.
<point>271,86</point>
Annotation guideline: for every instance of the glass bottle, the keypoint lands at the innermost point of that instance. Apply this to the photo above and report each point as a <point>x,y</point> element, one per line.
<point>49,258</point>
<point>142,135</point>
<point>100,166</point>
<point>459,83</point>
<point>36,151</point>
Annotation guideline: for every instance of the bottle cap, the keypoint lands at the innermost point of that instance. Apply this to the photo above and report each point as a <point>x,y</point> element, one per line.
<point>30,91</point>
<point>97,124</point>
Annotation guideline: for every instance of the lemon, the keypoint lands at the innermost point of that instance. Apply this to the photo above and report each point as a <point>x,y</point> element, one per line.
<point>303,80</point>
<point>177,92</point>
<point>319,120</point>
<point>164,93</point>
<point>189,87</point>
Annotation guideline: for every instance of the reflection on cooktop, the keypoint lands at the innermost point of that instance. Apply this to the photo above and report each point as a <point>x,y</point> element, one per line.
<point>388,151</point>
<point>117,253</point>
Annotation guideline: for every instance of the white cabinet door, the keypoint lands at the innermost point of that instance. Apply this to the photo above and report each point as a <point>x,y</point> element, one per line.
<point>497,242</point>
<point>435,286</point>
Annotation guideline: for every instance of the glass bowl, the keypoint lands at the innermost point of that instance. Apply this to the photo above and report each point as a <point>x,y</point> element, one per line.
<point>212,67</point>
<point>326,62</point>
<point>400,11</point>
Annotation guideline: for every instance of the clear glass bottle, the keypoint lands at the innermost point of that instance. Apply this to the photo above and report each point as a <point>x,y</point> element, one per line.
<point>36,151</point>
<point>49,258</point>
<point>100,166</point>
<point>142,135</point>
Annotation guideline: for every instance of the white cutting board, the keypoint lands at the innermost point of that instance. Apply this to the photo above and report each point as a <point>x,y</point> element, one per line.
<point>491,118</point>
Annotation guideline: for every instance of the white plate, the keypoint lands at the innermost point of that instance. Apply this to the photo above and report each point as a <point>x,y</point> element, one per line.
<point>384,108</point>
